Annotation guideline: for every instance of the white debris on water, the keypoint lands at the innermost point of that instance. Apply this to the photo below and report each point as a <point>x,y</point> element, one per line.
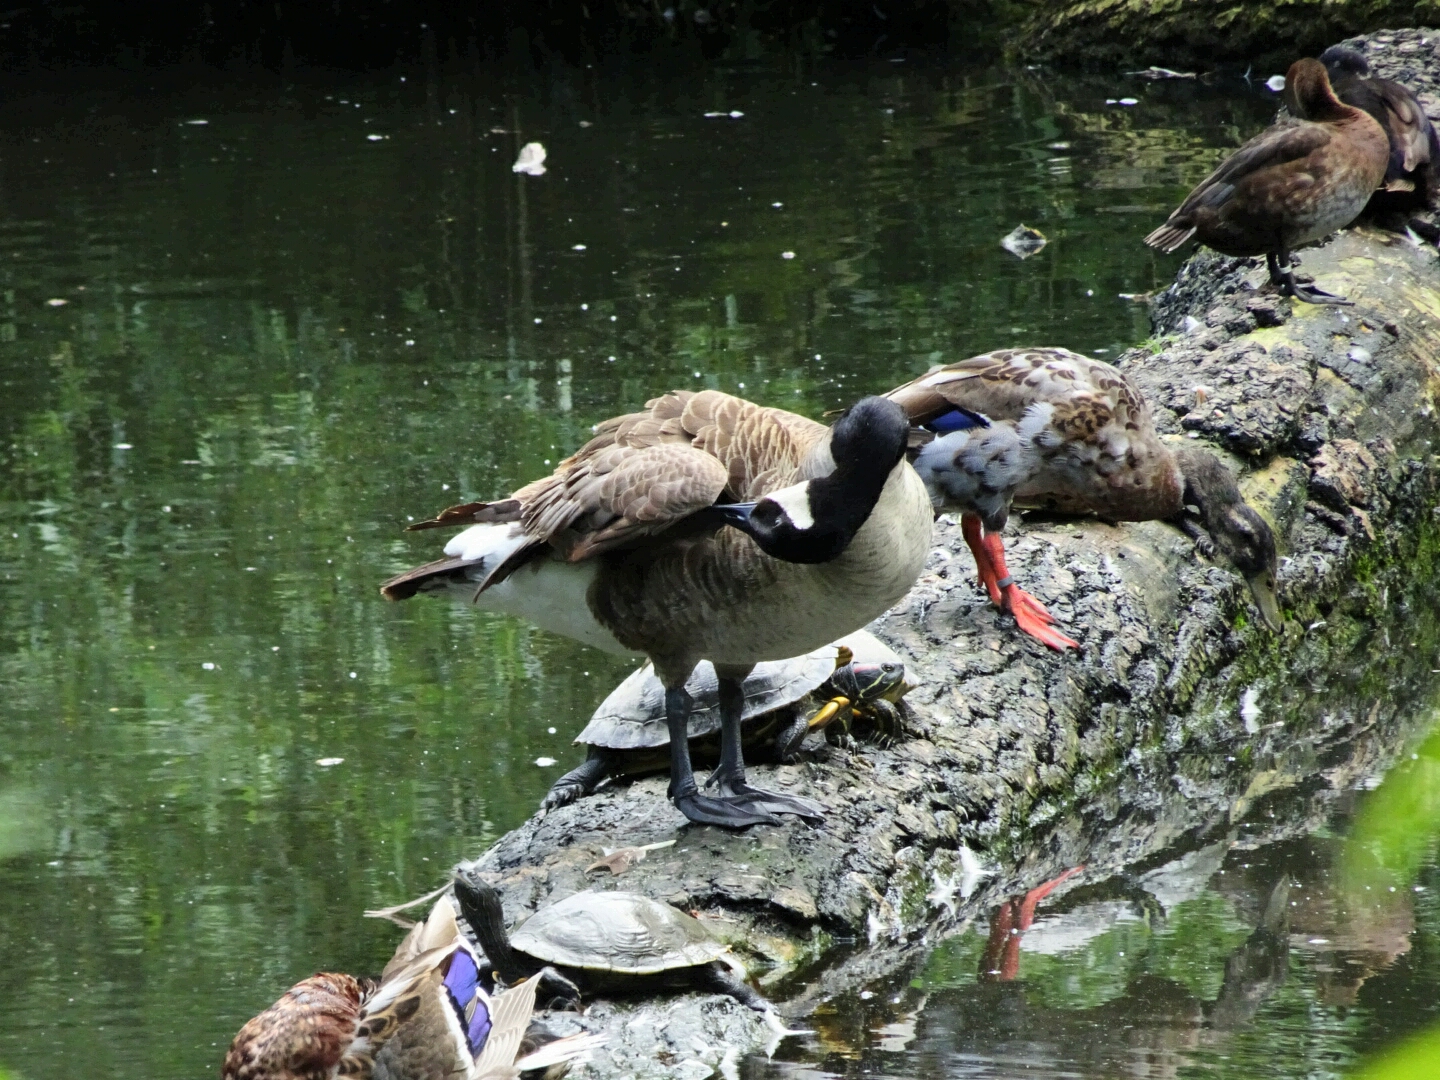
<point>327,762</point>
<point>545,762</point>
<point>531,161</point>
<point>1023,241</point>
<point>1275,83</point>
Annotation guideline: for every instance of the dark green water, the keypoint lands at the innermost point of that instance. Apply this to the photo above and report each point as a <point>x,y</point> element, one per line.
<point>236,355</point>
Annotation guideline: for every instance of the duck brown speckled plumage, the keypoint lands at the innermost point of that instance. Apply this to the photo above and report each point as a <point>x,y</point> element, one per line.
<point>1051,428</point>
<point>1295,182</point>
<point>425,1018</point>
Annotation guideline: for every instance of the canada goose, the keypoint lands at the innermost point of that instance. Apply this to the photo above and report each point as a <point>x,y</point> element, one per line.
<point>426,1018</point>
<point>1295,182</point>
<point>1412,177</point>
<point>1052,428</point>
<point>624,547</point>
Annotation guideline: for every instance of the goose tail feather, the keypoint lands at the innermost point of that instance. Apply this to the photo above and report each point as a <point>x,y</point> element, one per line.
<point>482,555</point>
<point>475,513</point>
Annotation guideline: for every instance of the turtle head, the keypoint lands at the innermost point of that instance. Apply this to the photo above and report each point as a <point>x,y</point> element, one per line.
<point>480,905</point>
<point>863,682</point>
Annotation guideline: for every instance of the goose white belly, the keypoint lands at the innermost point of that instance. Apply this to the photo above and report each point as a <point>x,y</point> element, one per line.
<point>549,592</point>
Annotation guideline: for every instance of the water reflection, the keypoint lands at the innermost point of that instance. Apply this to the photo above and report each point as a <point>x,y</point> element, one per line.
<point>1239,958</point>
<point>236,354</point>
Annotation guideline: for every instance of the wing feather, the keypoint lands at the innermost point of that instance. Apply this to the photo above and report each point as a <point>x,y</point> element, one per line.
<point>643,473</point>
<point>510,1015</point>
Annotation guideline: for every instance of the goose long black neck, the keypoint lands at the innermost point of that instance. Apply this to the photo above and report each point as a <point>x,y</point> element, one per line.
<point>481,907</point>
<point>814,522</point>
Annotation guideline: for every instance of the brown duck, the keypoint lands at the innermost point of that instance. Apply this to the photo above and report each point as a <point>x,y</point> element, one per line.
<point>1412,178</point>
<point>1295,182</point>
<point>1050,428</point>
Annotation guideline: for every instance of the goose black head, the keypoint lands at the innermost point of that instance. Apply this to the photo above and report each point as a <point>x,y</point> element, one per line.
<point>814,521</point>
<point>1236,529</point>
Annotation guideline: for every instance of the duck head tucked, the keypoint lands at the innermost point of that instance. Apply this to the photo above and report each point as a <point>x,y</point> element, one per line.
<point>1309,95</point>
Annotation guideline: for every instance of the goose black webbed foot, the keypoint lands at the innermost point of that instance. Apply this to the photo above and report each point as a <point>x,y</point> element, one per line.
<point>727,812</point>
<point>733,789</point>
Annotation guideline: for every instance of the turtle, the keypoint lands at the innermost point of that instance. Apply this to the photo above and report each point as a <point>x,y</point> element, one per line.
<point>784,701</point>
<point>619,942</point>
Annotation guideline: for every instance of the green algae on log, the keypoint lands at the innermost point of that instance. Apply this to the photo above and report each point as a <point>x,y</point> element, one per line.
<point>1194,35</point>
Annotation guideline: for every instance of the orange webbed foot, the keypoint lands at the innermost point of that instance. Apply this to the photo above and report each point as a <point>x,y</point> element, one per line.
<point>1033,619</point>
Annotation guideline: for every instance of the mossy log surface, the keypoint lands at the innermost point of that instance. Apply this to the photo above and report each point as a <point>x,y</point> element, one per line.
<point>1179,718</point>
<point>1196,34</point>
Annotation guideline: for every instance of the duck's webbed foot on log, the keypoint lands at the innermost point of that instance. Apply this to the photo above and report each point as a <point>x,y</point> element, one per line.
<point>1282,274</point>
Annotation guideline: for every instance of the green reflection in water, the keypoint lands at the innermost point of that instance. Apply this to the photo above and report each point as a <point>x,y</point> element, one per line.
<point>236,355</point>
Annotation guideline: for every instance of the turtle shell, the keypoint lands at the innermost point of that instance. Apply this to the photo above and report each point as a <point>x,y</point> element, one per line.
<point>633,716</point>
<point>616,931</point>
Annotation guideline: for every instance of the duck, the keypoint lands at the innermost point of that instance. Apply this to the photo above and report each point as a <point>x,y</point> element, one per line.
<point>427,1017</point>
<point>703,527</point>
<point>1058,430</point>
<point>1412,175</point>
<point>1295,182</point>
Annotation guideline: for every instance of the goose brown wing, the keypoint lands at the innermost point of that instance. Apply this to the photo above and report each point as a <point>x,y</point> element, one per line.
<point>621,494</point>
<point>762,449</point>
<point>643,472</point>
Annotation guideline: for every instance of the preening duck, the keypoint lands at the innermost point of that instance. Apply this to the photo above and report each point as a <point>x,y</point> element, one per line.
<point>1295,182</point>
<point>1052,428</point>
<point>702,528</point>
<point>1412,176</point>
<point>426,1018</point>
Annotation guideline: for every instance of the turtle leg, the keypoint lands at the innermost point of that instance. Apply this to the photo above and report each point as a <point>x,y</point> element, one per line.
<point>556,990</point>
<point>789,738</point>
<point>701,809</point>
<point>716,978</point>
<point>581,780</point>
<point>835,711</point>
<point>729,777</point>
<point>889,729</point>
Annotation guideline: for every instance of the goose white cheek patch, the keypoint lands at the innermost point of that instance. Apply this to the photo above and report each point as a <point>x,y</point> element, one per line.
<point>795,501</point>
